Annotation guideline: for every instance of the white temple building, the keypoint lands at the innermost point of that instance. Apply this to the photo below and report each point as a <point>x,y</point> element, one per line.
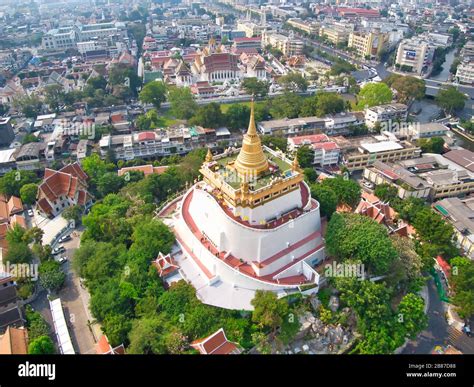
<point>250,224</point>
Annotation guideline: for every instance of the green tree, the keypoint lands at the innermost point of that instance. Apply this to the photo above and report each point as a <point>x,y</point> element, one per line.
<point>411,315</point>
<point>54,96</point>
<point>237,116</point>
<point>208,116</point>
<point>354,236</point>
<point>28,193</point>
<point>326,197</point>
<point>182,102</point>
<point>432,145</point>
<point>11,182</point>
<point>287,105</point>
<point>29,138</point>
<point>305,156</point>
<point>408,88</point>
<point>346,190</point>
<point>73,213</point>
<point>386,192</point>
<point>147,336</point>
<point>42,345</point>
<point>109,182</point>
<point>435,233</point>
<point>310,175</point>
<point>255,87</point>
<point>462,278</point>
<point>268,310</point>
<point>98,82</point>
<point>293,82</point>
<point>30,106</point>
<point>329,103</point>
<point>450,100</point>
<point>36,325</point>
<point>18,253</point>
<point>275,142</point>
<point>52,277</point>
<point>153,92</point>
<point>373,94</point>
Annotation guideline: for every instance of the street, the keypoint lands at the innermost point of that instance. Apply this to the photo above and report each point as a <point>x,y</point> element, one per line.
<point>75,302</point>
<point>438,331</point>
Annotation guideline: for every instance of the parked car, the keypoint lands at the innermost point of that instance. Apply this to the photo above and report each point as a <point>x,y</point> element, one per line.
<point>30,213</point>
<point>368,184</point>
<point>64,238</point>
<point>58,250</point>
<point>62,259</point>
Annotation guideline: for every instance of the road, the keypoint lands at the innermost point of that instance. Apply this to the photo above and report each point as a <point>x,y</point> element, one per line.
<point>438,331</point>
<point>75,302</point>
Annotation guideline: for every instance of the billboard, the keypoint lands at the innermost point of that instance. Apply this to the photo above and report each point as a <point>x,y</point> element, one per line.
<point>410,55</point>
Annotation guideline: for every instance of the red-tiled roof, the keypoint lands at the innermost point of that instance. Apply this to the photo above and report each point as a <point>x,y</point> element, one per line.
<point>215,344</point>
<point>146,136</point>
<point>309,139</point>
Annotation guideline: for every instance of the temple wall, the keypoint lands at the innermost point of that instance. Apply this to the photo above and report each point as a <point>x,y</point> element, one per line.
<point>243,242</point>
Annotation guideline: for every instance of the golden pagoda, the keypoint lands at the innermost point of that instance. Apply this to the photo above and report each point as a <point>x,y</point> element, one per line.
<point>251,160</point>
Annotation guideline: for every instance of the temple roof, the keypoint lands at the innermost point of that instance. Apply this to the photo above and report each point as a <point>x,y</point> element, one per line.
<point>251,160</point>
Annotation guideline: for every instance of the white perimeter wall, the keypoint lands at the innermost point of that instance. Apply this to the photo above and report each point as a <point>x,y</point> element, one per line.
<point>243,242</point>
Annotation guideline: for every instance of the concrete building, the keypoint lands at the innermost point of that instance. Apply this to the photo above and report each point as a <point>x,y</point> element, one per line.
<point>311,28</point>
<point>335,34</point>
<point>385,113</point>
<point>326,152</point>
<point>158,143</point>
<point>368,44</point>
<point>415,55</point>
<point>287,45</point>
<point>341,123</point>
<point>366,150</point>
<point>251,29</point>
<point>465,72</point>
<point>460,213</point>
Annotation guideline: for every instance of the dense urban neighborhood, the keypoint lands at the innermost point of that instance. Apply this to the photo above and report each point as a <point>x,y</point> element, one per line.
<point>236,177</point>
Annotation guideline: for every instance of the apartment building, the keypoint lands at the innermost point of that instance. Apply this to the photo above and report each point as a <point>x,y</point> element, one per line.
<point>367,44</point>
<point>385,113</point>
<point>408,184</point>
<point>326,152</point>
<point>158,143</point>
<point>311,28</point>
<point>67,37</point>
<point>287,45</point>
<point>60,39</point>
<point>415,55</point>
<point>335,34</point>
<point>251,29</point>
<point>366,150</point>
<point>292,126</point>
<point>460,213</point>
<point>341,123</point>
<point>465,72</point>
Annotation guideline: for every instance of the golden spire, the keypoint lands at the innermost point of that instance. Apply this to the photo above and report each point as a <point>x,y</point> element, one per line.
<point>296,165</point>
<point>251,160</point>
<point>209,155</point>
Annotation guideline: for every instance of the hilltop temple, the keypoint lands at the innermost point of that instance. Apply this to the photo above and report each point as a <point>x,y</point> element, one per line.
<point>249,224</point>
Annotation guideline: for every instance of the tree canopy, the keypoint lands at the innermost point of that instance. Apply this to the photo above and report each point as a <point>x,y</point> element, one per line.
<point>450,100</point>
<point>373,94</point>
<point>358,237</point>
<point>153,92</point>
